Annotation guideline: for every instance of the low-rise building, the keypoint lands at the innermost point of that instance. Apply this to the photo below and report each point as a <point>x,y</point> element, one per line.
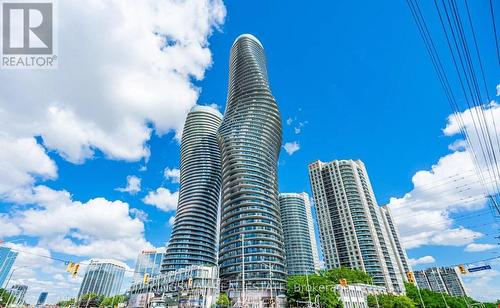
<point>355,295</point>
<point>193,286</point>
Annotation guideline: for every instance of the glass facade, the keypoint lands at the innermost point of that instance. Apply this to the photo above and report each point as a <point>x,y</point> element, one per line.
<point>296,231</point>
<point>103,277</point>
<point>7,258</point>
<point>194,235</point>
<point>352,229</point>
<point>250,141</point>
<point>441,279</point>
<point>148,262</point>
<point>18,292</point>
<point>42,299</point>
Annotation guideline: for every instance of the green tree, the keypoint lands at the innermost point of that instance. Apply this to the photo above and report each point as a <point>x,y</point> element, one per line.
<point>223,300</point>
<point>321,286</point>
<point>390,301</point>
<point>4,297</point>
<point>351,275</point>
<point>66,303</point>
<point>433,299</point>
<point>90,300</point>
<point>113,301</point>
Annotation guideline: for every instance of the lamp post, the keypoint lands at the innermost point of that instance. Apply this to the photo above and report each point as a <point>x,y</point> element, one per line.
<point>7,284</point>
<point>269,266</point>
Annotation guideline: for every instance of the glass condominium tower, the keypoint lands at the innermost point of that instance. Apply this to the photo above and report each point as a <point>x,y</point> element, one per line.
<point>103,277</point>
<point>194,234</point>
<point>300,242</point>
<point>352,229</point>
<point>250,142</point>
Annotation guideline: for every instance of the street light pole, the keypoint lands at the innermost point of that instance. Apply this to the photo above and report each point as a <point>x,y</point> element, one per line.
<point>7,284</point>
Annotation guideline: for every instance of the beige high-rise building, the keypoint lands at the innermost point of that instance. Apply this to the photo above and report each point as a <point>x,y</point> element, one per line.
<point>353,231</point>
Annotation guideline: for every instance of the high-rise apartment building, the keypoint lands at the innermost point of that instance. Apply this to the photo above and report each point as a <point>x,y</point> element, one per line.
<point>42,298</point>
<point>103,277</point>
<point>251,255</point>
<point>18,292</point>
<point>7,258</point>
<point>298,231</point>
<point>352,230</point>
<point>441,279</point>
<point>148,262</point>
<point>390,226</point>
<point>312,232</point>
<point>194,234</point>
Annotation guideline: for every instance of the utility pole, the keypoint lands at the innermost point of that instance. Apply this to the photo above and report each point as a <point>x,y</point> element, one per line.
<point>309,304</point>
<point>444,299</point>
<point>271,285</point>
<point>243,298</point>
<point>420,295</point>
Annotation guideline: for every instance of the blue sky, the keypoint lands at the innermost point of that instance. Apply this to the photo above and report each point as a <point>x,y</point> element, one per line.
<point>352,82</point>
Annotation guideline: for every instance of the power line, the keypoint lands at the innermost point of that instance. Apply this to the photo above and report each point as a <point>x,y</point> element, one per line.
<point>494,30</point>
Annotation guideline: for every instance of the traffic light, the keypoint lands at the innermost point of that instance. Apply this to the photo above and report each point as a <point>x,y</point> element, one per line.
<point>146,278</point>
<point>343,282</point>
<point>411,277</point>
<point>76,267</point>
<point>70,266</point>
<point>462,269</point>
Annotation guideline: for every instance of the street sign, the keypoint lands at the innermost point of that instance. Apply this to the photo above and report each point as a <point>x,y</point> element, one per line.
<point>479,268</point>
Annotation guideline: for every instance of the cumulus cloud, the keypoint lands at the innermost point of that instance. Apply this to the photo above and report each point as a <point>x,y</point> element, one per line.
<point>291,147</point>
<point>98,227</point>
<point>23,160</point>
<point>9,228</point>
<point>133,75</point>
<point>422,260</point>
<point>163,199</point>
<point>483,285</point>
<point>476,247</point>
<point>173,174</point>
<point>450,186</point>
<point>133,185</point>
<point>171,220</point>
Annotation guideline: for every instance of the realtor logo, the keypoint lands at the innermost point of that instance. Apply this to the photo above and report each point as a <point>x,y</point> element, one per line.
<point>28,35</point>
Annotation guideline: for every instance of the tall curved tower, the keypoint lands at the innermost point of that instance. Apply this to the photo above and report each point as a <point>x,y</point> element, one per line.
<point>194,235</point>
<point>250,142</point>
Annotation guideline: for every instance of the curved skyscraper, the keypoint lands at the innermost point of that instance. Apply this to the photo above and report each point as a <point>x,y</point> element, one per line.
<point>300,242</point>
<point>250,141</point>
<point>194,235</point>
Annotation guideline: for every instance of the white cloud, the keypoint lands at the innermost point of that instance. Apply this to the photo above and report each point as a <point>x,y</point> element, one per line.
<point>476,247</point>
<point>9,228</point>
<point>291,147</point>
<point>422,260</point>
<point>22,160</point>
<point>135,68</point>
<point>298,128</point>
<point>133,185</point>
<point>424,215</point>
<point>163,199</point>
<point>171,220</point>
<point>97,228</point>
<point>289,121</point>
<point>483,285</point>
<point>173,174</point>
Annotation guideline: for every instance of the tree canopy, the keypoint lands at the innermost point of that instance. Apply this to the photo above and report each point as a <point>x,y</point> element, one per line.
<point>322,286</point>
<point>223,300</point>
<point>433,299</point>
